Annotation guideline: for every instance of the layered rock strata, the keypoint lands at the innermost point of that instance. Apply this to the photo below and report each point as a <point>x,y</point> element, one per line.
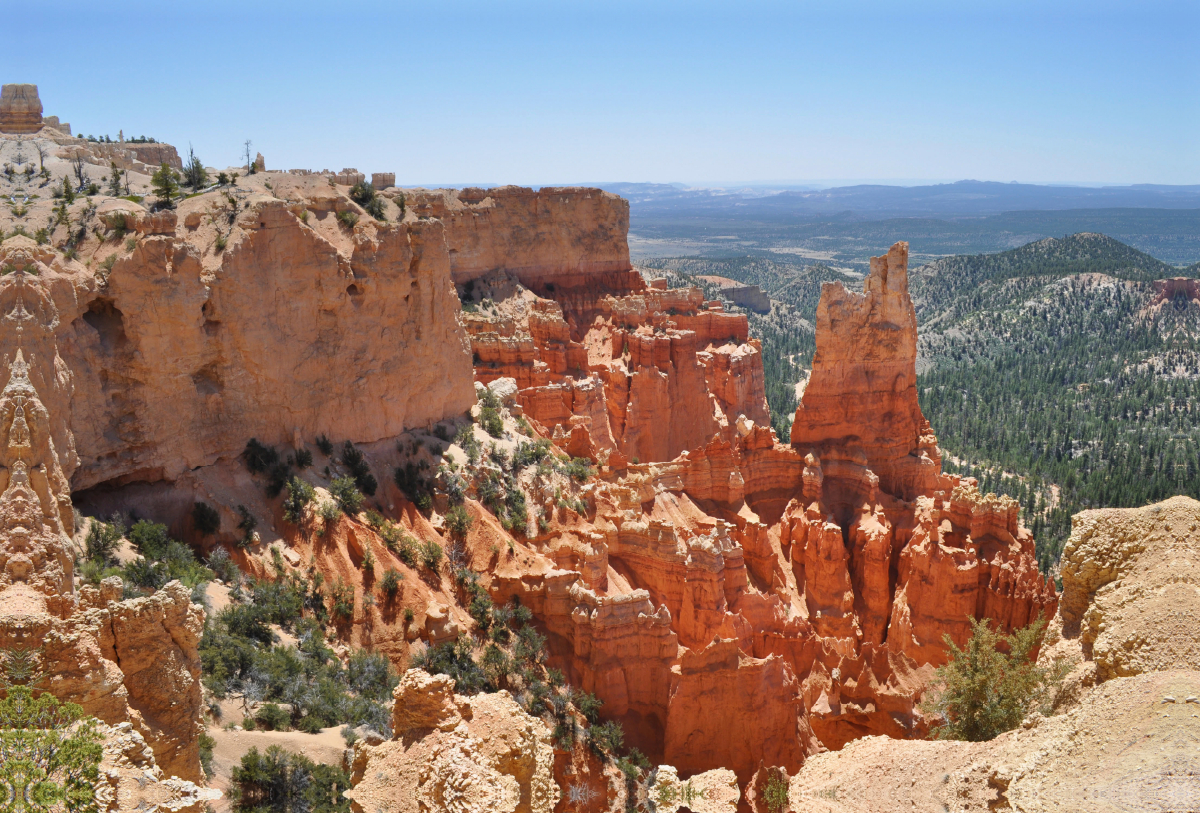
<point>647,374</point>
<point>20,109</point>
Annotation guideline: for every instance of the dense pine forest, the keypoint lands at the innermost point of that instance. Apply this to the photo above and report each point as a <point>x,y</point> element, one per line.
<point>1054,372</point>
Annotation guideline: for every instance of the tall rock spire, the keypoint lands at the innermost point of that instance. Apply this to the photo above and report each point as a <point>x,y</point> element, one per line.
<point>862,396</point>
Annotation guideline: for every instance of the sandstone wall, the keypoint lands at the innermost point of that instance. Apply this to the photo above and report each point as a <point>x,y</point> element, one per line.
<point>548,238</point>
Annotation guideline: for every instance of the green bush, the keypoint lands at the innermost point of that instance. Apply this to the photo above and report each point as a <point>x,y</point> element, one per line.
<point>206,753</point>
<point>364,195</point>
<point>465,440</point>
<point>302,459</point>
<point>194,172</point>
<point>300,495</point>
<point>776,792</point>
<point>325,445</point>
<point>608,737</point>
<point>431,555</point>
<point>360,470</point>
<point>458,522</point>
<point>348,219</point>
<point>389,585</point>
<point>345,492</point>
<point>223,566</point>
<point>165,184</point>
<point>342,598</point>
<point>530,454</point>
<point>579,468</point>
<point>205,519</point>
<point>990,685</point>
<point>103,540</point>
<point>272,718</point>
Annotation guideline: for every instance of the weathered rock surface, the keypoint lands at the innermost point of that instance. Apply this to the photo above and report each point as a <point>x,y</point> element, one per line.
<point>648,375</point>
<point>481,754</point>
<point>131,780</point>
<point>1131,594</point>
<point>130,661</point>
<point>20,109</point>
<point>1124,738</point>
<point>564,237</point>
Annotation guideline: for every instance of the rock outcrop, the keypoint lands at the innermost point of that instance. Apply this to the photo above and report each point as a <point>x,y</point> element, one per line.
<point>480,754</point>
<point>130,661</point>
<point>1131,594</point>
<point>1121,736</point>
<point>647,374</point>
<point>20,109</point>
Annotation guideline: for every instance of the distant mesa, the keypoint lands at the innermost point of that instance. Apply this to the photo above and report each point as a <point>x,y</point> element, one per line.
<point>20,109</point>
<point>21,112</point>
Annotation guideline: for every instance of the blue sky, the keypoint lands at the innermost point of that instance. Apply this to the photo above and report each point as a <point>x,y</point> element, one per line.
<point>540,93</point>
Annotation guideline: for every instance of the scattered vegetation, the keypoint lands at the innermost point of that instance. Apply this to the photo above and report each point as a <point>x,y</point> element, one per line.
<point>489,414</point>
<point>240,655</point>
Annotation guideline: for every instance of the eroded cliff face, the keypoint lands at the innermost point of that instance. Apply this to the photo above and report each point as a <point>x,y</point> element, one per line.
<point>126,662</point>
<point>748,602</point>
<point>636,373</point>
<point>1120,735</point>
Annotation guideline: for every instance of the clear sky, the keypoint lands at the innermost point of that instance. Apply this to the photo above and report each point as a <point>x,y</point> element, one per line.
<point>697,92</point>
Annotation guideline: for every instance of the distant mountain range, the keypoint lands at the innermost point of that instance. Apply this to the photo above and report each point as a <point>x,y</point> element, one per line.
<point>874,201</point>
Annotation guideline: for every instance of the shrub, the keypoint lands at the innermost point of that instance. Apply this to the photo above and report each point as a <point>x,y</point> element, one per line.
<point>223,566</point>
<point>453,658</point>
<point>989,686</point>
<point>458,522</point>
<point>776,792</point>
<point>530,454</point>
<point>206,753</point>
<point>325,445</point>
<point>247,525</point>
<point>194,172</point>
<point>389,585</point>
<point>608,737</point>
<point>465,440</point>
<point>329,512</point>
<point>299,495</point>
<point>431,555</point>
<point>103,540</point>
<point>271,717</point>
<point>368,562</point>
<point>348,219</point>
<point>489,419</point>
<point>302,459</point>
<point>345,492</point>
<point>149,538</point>
<point>205,519</point>
<point>579,468</point>
<point>360,470</point>
<point>365,196</point>
<point>342,596</point>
